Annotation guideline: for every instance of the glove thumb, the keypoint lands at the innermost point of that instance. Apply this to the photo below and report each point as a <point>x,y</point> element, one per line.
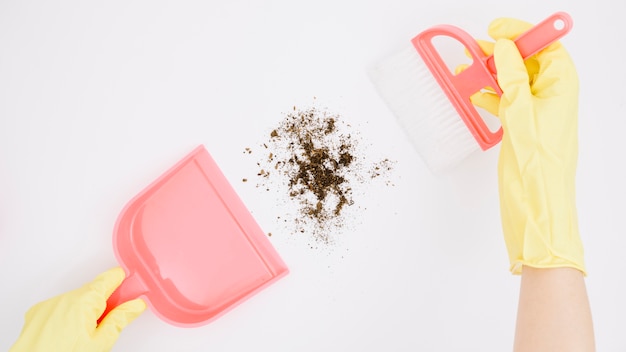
<point>113,323</point>
<point>512,73</point>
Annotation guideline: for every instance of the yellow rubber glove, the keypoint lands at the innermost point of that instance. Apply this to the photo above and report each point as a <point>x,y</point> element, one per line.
<point>538,154</point>
<point>68,322</point>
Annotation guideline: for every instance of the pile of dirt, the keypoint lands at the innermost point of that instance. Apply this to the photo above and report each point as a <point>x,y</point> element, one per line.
<point>315,157</point>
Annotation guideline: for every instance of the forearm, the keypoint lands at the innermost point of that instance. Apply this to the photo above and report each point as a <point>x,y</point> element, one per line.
<point>553,313</point>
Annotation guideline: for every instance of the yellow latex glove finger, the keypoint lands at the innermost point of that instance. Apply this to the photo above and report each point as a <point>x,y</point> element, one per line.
<point>538,154</point>
<point>507,28</point>
<point>499,28</point>
<point>511,28</point>
<point>68,322</point>
<point>486,99</point>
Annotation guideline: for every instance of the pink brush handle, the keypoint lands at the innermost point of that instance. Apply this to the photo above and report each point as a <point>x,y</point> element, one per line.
<point>539,37</point>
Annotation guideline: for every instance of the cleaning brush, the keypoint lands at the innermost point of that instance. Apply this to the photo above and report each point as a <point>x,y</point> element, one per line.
<point>432,103</point>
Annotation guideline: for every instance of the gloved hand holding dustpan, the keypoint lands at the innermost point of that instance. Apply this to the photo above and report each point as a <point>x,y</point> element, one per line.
<point>68,322</point>
<point>189,248</point>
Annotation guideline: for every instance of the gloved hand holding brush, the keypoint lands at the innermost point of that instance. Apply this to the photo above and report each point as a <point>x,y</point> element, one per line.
<point>536,170</point>
<point>538,111</point>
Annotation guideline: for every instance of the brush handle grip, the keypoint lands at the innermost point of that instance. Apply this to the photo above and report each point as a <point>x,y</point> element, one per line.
<point>539,37</point>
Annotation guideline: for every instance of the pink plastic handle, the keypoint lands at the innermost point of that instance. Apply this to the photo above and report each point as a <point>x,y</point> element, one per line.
<point>132,287</point>
<point>482,72</point>
<point>539,37</point>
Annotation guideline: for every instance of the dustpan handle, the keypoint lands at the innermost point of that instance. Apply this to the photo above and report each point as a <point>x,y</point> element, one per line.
<point>132,287</point>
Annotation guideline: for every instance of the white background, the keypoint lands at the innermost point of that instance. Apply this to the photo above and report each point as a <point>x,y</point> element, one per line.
<point>98,98</point>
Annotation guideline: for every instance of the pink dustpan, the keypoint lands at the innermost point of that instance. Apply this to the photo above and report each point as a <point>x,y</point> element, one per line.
<point>189,246</point>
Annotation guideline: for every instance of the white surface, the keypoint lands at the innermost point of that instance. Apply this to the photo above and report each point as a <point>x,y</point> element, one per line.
<point>98,98</point>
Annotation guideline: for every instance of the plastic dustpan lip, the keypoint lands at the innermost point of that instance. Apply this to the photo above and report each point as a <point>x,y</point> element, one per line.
<point>262,264</point>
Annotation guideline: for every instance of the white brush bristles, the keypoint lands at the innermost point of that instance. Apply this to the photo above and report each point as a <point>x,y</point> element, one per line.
<point>422,108</point>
